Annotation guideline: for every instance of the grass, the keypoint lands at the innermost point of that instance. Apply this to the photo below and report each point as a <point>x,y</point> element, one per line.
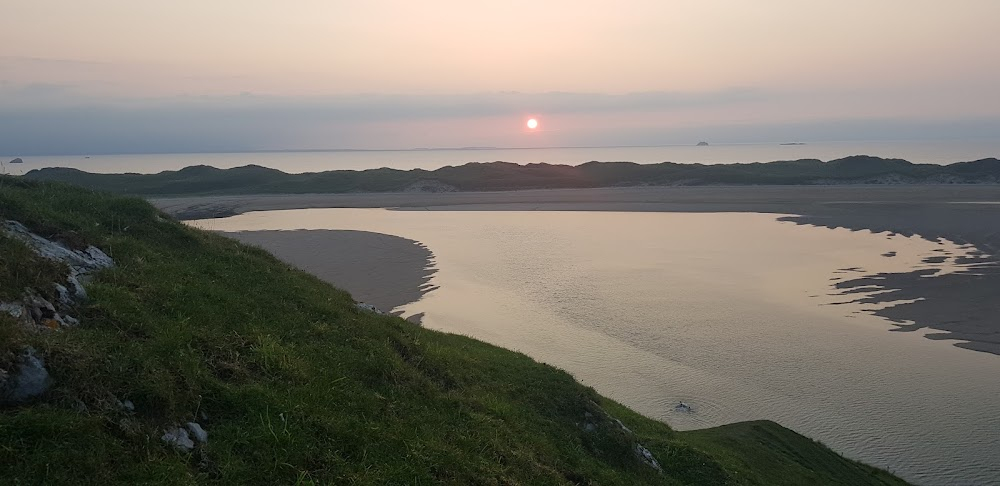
<point>504,176</point>
<point>296,386</point>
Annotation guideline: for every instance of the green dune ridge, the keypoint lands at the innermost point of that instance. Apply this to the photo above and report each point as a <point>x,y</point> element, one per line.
<point>296,385</point>
<point>505,176</point>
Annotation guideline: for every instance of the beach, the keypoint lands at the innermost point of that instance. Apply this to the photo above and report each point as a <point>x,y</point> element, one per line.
<point>957,306</point>
<point>790,304</point>
<point>382,270</point>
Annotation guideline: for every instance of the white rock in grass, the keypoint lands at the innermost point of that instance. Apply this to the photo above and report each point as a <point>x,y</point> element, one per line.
<point>79,293</point>
<point>15,309</point>
<point>647,457</point>
<point>197,432</point>
<point>368,307</point>
<point>65,297</point>
<point>178,437</point>
<point>80,262</point>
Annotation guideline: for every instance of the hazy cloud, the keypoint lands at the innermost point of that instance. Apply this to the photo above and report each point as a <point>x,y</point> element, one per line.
<point>57,119</point>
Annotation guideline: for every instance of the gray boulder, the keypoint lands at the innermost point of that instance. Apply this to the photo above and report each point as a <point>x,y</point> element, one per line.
<point>368,308</point>
<point>17,311</point>
<point>199,434</point>
<point>179,438</point>
<point>27,380</point>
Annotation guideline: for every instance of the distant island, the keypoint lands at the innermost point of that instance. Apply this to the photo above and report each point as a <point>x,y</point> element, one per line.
<point>505,176</point>
<point>17,161</point>
<point>702,144</point>
<point>792,143</point>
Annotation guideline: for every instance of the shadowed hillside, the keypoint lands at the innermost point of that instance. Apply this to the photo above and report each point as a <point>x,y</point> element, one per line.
<point>504,176</point>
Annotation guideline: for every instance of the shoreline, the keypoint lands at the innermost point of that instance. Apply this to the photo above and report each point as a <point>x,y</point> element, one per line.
<point>957,306</point>
<point>382,270</point>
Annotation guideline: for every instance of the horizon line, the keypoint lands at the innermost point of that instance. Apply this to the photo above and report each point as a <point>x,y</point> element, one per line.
<point>486,148</point>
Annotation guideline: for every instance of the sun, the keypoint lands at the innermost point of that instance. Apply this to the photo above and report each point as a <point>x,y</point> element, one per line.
<point>532,124</point>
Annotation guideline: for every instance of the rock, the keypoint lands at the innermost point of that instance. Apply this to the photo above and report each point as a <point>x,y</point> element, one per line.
<point>197,432</point>
<point>623,427</point>
<point>65,297</point>
<point>17,161</point>
<point>128,405</point>
<point>16,310</point>
<point>79,293</point>
<point>368,308</point>
<point>40,309</point>
<point>647,457</point>
<point>80,262</point>
<point>28,380</point>
<point>178,437</point>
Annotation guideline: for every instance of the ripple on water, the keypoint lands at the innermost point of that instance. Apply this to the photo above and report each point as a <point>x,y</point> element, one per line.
<point>714,310</point>
<point>703,412</point>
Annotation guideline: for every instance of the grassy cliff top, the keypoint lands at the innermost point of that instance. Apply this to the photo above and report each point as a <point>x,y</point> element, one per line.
<point>504,176</point>
<point>294,384</point>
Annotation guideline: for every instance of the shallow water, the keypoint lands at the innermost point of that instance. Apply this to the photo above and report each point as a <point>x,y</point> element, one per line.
<point>733,314</point>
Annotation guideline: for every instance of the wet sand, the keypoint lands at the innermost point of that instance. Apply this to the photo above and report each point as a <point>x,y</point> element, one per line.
<point>383,270</point>
<point>960,306</point>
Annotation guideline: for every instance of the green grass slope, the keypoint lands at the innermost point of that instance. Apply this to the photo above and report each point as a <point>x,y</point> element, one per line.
<point>296,386</point>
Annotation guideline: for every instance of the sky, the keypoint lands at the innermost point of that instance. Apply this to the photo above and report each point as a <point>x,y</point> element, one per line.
<point>121,76</point>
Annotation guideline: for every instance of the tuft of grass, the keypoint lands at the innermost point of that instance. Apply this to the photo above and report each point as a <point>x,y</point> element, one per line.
<point>21,267</point>
<point>297,386</point>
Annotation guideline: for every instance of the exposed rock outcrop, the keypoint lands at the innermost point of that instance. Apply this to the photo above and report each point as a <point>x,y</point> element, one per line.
<point>28,378</point>
<point>33,308</point>
<point>594,421</point>
<point>81,263</point>
<point>179,438</point>
<point>368,308</point>
<point>185,438</point>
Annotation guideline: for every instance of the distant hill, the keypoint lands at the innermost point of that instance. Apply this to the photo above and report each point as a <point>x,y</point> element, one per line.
<point>505,176</point>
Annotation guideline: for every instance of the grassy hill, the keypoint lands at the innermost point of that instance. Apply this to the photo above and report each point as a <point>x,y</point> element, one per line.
<point>503,176</point>
<point>295,385</point>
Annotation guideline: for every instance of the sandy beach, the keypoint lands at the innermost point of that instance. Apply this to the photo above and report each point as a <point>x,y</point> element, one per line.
<point>382,270</point>
<point>959,306</point>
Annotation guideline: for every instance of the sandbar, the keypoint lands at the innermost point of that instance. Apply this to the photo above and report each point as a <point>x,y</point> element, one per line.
<point>382,270</point>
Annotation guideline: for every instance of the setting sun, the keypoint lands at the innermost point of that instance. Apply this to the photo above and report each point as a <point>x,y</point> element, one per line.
<point>532,124</point>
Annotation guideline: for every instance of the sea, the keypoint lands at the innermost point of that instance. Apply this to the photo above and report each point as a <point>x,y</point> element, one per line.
<point>734,315</point>
<point>924,151</point>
